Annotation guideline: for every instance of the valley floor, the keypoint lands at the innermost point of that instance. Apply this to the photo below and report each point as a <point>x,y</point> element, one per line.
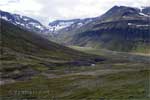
<point>121,77</point>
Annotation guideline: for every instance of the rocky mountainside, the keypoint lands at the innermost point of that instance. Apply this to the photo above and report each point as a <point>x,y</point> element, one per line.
<point>25,22</point>
<point>65,25</point>
<point>53,28</point>
<point>121,28</point>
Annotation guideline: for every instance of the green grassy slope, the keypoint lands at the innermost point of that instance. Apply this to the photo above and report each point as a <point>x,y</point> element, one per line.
<point>24,54</point>
<point>26,42</point>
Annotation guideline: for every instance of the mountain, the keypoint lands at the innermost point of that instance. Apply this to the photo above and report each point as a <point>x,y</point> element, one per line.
<point>146,10</point>
<point>25,22</point>
<point>25,54</point>
<point>60,24</point>
<point>53,28</point>
<point>121,28</point>
<point>65,25</point>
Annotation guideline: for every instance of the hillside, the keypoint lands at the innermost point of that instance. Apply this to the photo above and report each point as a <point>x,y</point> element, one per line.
<point>24,54</point>
<point>119,29</point>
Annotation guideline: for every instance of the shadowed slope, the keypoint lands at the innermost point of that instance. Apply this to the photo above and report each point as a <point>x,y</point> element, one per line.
<point>24,53</point>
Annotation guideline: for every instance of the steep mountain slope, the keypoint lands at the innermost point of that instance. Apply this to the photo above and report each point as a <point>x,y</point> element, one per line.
<point>24,54</point>
<point>25,22</point>
<point>58,26</point>
<point>121,28</point>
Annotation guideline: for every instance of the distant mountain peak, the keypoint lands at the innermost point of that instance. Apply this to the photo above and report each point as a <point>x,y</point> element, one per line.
<point>58,25</point>
<point>25,22</point>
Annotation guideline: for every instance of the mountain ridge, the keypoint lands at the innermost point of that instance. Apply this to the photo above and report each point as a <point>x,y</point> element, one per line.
<point>120,28</point>
<point>120,20</point>
<point>28,23</point>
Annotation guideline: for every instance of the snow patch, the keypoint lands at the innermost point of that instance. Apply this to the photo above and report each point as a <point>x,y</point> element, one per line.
<point>130,24</point>
<point>138,25</point>
<point>22,24</point>
<point>60,25</point>
<point>39,27</point>
<point>80,24</point>
<point>25,19</point>
<point>18,23</point>
<point>5,18</point>
<point>144,14</point>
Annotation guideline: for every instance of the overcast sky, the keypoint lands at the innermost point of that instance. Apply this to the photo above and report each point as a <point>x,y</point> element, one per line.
<point>49,10</point>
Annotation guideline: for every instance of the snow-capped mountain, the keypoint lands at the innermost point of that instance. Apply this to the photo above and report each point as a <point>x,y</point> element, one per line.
<point>25,22</point>
<point>58,25</point>
<point>65,26</point>
<point>120,28</point>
